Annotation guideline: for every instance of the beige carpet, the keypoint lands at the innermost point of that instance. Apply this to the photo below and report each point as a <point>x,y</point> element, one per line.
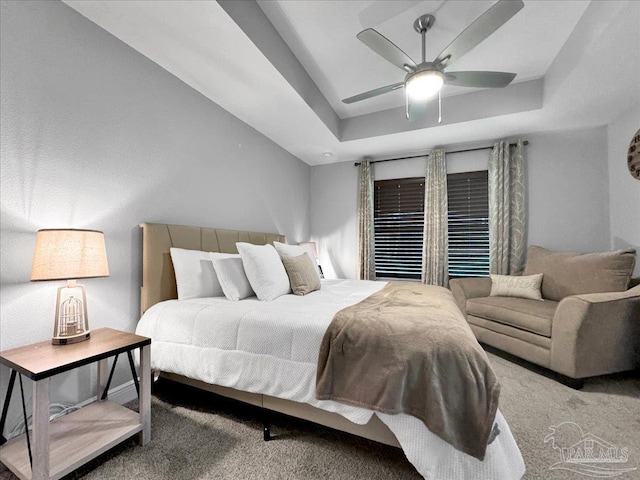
<point>532,401</point>
<point>196,435</point>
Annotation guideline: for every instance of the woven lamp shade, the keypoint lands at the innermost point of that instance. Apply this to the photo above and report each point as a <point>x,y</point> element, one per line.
<point>65,254</point>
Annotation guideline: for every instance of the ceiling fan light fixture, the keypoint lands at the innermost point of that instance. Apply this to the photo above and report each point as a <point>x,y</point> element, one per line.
<point>424,84</point>
<point>425,79</point>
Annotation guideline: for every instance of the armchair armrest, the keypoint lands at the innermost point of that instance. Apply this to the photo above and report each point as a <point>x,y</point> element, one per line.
<point>465,288</point>
<point>596,334</point>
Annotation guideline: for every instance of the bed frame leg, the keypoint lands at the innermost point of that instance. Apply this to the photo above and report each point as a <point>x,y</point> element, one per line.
<point>266,426</point>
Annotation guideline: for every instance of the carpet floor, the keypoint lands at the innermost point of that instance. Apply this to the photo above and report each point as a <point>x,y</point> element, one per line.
<point>198,435</point>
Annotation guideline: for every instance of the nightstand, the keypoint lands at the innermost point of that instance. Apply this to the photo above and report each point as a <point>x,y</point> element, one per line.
<point>59,447</point>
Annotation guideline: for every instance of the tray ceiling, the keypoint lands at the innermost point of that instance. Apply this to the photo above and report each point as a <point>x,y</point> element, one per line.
<point>284,66</point>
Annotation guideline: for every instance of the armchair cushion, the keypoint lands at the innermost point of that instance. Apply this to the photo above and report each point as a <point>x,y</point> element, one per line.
<point>579,273</point>
<point>531,315</point>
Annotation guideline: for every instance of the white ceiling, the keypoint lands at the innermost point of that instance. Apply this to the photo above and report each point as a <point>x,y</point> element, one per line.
<point>583,54</point>
<point>322,34</point>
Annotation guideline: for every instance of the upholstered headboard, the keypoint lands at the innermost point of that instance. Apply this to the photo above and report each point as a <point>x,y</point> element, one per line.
<point>158,277</point>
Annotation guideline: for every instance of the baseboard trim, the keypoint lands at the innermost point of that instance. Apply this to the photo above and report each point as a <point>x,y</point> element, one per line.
<point>121,394</point>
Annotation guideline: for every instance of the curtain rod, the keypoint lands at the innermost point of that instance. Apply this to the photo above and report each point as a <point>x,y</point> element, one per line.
<point>356,164</point>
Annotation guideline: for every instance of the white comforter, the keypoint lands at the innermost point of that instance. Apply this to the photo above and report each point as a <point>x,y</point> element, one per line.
<point>272,348</point>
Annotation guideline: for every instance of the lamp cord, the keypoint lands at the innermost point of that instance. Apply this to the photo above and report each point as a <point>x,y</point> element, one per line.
<point>64,409</point>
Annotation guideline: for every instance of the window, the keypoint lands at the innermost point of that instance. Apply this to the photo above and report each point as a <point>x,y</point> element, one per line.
<point>399,226</point>
<point>468,198</point>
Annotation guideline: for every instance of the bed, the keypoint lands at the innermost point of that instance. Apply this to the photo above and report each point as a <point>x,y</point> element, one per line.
<point>222,347</point>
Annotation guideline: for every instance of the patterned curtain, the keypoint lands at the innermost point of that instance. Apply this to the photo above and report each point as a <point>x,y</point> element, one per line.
<point>506,208</point>
<point>366,233</point>
<point>435,269</point>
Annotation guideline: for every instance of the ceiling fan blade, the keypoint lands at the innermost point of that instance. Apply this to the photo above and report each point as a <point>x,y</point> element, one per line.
<point>373,93</point>
<point>386,49</point>
<point>483,27</point>
<point>479,79</point>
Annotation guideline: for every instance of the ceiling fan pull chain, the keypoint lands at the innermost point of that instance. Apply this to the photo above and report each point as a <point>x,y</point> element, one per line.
<point>440,106</point>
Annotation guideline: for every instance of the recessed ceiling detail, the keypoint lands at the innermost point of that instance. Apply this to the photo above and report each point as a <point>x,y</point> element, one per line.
<point>283,66</point>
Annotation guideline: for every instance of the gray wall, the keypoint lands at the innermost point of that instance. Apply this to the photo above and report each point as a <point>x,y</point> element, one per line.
<point>568,200</point>
<point>333,218</point>
<point>624,190</point>
<point>94,135</point>
<point>568,190</point>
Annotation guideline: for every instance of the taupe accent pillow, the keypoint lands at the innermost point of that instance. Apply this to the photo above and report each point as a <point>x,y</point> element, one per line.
<point>577,273</point>
<point>516,286</point>
<point>302,273</point>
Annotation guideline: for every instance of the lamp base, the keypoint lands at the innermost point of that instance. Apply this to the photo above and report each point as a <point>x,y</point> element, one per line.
<point>81,337</point>
<point>71,324</point>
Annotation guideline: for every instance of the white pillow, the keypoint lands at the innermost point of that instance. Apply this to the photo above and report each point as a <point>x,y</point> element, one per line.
<point>195,276</point>
<point>265,270</point>
<point>231,276</point>
<point>525,286</point>
<point>286,250</point>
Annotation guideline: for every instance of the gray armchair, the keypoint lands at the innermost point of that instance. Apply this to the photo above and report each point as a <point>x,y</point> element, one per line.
<point>578,335</point>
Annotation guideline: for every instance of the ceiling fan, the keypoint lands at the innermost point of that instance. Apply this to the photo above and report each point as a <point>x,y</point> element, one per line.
<point>425,79</point>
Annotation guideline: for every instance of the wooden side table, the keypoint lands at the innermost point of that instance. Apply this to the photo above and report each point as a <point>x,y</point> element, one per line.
<point>59,447</point>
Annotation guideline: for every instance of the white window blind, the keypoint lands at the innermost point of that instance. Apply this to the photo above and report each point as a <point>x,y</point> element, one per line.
<point>468,198</point>
<point>399,225</point>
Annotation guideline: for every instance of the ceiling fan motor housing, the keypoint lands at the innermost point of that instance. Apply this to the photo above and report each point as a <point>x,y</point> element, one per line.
<point>424,83</point>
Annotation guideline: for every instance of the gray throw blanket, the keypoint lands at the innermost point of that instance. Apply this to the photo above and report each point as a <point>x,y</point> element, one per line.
<point>408,349</point>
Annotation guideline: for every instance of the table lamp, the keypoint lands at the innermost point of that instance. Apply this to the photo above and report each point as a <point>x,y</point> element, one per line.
<point>69,254</point>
